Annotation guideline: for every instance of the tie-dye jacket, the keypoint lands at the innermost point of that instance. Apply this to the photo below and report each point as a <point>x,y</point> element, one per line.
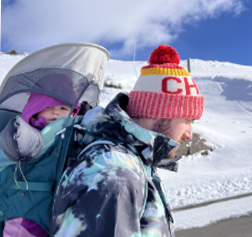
<point>109,190</point>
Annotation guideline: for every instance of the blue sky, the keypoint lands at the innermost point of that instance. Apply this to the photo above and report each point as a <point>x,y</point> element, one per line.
<point>203,29</point>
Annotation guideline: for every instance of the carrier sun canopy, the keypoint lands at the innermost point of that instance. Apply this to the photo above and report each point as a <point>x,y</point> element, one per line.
<point>68,72</point>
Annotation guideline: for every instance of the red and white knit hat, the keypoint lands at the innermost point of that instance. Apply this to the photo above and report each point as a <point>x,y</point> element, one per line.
<point>164,89</point>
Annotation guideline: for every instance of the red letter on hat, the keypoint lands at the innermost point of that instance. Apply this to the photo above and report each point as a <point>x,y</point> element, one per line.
<point>164,85</point>
<point>188,86</point>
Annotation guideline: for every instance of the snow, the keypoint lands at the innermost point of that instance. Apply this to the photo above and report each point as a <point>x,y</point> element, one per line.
<point>7,62</point>
<point>226,124</point>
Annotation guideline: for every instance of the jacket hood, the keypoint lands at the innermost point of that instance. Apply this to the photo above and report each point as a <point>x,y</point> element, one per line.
<point>113,123</point>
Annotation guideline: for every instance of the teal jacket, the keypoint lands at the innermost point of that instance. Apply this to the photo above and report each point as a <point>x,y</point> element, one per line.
<point>42,174</point>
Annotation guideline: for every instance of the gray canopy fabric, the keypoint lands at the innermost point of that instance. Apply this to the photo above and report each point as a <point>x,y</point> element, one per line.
<point>68,72</point>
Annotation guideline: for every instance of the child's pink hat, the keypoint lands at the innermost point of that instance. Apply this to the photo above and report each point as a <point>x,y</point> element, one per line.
<point>38,102</point>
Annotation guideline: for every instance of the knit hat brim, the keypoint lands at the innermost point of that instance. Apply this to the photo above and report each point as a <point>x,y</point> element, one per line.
<point>144,104</point>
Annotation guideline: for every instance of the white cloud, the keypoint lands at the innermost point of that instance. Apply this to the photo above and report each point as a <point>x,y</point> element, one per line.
<point>29,25</point>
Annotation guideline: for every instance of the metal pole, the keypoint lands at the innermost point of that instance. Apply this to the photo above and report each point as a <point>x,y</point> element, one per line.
<point>188,65</point>
<point>135,50</point>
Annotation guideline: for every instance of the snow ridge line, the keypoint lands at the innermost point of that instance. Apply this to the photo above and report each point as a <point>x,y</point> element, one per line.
<point>202,204</point>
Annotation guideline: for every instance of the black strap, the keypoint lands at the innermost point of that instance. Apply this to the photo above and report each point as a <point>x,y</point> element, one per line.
<point>157,182</point>
<point>1,228</point>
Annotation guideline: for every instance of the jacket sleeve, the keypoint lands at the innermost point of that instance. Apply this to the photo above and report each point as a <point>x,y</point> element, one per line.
<point>104,195</point>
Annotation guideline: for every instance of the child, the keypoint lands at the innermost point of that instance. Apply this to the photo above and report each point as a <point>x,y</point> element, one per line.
<point>40,111</point>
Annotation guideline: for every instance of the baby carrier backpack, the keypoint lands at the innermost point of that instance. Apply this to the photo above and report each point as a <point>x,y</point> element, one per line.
<point>29,175</point>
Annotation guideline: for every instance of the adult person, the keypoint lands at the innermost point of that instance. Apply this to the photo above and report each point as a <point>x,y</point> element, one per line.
<point>111,188</point>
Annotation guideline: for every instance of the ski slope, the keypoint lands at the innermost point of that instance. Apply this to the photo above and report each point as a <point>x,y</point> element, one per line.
<point>226,124</point>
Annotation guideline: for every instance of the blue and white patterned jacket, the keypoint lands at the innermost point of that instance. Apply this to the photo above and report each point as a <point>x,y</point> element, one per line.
<point>111,189</point>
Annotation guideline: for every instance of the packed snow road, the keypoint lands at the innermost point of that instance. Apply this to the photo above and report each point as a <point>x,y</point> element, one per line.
<point>233,227</point>
<point>208,214</point>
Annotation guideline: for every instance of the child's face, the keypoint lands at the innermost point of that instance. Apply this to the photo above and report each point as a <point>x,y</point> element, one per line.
<point>52,113</point>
